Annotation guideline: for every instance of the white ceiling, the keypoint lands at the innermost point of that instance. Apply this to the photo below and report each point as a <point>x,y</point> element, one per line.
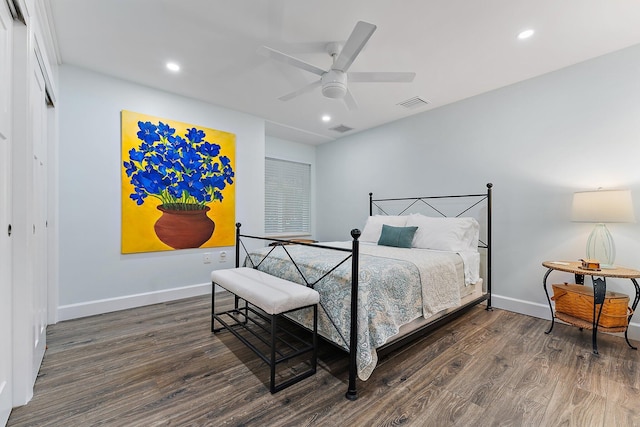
<point>457,48</point>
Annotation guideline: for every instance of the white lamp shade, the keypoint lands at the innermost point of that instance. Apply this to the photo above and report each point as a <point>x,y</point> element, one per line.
<point>602,206</point>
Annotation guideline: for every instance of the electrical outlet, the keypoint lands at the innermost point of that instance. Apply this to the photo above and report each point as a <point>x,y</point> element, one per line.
<point>223,256</point>
<point>206,258</point>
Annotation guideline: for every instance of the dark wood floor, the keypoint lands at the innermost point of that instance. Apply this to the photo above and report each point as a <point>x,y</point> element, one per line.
<point>159,365</point>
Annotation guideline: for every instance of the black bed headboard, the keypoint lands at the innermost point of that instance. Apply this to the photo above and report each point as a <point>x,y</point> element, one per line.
<point>477,205</point>
<point>456,205</point>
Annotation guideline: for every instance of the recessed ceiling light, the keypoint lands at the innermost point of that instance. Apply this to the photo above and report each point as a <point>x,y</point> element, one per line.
<point>172,66</point>
<point>525,34</point>
<point>326,118</point>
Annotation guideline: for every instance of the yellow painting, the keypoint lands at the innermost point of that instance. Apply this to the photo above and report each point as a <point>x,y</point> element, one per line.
<point>178,187</point>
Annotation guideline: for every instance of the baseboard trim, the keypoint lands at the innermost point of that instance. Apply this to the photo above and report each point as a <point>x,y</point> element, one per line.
<point>91,308</point>
<point>542,311</point>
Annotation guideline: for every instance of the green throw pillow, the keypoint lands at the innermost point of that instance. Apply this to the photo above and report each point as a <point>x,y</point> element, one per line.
<point>399,237</point>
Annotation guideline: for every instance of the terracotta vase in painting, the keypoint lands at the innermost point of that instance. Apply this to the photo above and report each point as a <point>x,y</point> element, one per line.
<point>183,229</point>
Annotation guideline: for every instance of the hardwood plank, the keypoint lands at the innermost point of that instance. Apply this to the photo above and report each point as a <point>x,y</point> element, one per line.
<point>514,409</point>
<point>622,405</point>
<point>573,406</point>
<point>535,379</point>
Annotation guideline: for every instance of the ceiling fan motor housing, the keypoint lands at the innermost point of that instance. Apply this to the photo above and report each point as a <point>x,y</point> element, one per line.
<point>334,84</point>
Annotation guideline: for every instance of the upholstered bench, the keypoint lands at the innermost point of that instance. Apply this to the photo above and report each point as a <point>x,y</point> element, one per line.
<point>273,296</point>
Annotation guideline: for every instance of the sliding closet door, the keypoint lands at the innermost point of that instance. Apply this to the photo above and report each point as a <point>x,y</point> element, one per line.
<point>6,24</point>
<point>29,191</point>
<point>38,260</point>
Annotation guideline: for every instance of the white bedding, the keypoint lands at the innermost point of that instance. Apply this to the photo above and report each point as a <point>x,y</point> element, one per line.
<point>438,274</point>
<point>396,287</point>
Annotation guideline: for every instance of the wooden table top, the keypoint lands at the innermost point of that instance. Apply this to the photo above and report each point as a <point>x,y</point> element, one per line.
<point>575,267</point>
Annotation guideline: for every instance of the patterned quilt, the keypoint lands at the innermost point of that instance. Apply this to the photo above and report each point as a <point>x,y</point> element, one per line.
<point>390,290</point>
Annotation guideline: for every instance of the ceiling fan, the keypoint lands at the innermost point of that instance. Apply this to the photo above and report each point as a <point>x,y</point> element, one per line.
<point>334,80</point>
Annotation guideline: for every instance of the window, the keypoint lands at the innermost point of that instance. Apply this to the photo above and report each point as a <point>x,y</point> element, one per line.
<point>287,198</point>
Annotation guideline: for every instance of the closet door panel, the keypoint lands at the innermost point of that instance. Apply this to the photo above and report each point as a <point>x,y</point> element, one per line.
<point>38,259</point>
<point>6,25</point>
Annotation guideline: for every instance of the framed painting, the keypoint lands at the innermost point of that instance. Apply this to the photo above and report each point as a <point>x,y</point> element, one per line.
<point>178,187</point>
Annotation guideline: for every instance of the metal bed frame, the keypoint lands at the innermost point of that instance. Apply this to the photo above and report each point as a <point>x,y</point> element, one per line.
<point>353,255</point>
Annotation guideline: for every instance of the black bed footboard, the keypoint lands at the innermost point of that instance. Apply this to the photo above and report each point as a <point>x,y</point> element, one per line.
<point>351,254</point>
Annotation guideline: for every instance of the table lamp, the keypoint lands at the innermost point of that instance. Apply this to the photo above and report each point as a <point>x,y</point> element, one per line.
<point>600,207</point>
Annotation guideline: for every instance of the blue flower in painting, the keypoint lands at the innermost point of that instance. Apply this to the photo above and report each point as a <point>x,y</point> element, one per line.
<point>227,172</point>
<point>211,150</point>
<point>183,172</point>
<point>138,197</point>
<point>151,181</point>
<point>129,168</point>
<point>165,130</point>
<point>218,183</point>
<point>195,135</point>
<point>148,132</point>
<point>136,156</point>
<point>190,159</point>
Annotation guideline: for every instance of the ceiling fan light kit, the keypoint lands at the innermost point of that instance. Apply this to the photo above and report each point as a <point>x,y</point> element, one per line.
<point>334,81</point>
<point>334,84</point>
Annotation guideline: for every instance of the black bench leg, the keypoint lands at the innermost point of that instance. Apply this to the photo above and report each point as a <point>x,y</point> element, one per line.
<point>213,305</point>
<point>314,361</point>
<point>273,352</point>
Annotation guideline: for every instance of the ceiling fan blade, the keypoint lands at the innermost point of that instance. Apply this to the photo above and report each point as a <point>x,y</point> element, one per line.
<point>304,89</point>
<point>350,101</point>
<point>283,57</point>
<point>356,41</point>
<point>381,77</point>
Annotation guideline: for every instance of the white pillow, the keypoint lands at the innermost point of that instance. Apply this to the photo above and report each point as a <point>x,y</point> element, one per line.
<point>373,226</point>
<point>445,234</point>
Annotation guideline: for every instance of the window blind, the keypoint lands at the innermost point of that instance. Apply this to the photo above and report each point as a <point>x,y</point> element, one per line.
<point>287,197</point>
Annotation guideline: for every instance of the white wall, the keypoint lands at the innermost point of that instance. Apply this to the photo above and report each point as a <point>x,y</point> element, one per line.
<point>94,276</point>
<point>296,152</point>
<point>538,141</point>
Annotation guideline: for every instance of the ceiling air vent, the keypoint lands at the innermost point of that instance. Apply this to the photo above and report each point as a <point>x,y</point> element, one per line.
<point>341,128</point>
<point>414,102</point>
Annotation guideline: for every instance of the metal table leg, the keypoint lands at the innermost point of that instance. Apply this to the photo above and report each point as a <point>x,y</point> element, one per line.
<point>544,285</point>
<point>599,292</point>
<point>633,309</point>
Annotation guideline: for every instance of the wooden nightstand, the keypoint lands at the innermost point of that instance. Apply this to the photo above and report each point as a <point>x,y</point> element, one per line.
<point>579,272</point>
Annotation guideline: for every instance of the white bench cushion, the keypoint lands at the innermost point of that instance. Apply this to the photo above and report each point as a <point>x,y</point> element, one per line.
<point>272,294</point>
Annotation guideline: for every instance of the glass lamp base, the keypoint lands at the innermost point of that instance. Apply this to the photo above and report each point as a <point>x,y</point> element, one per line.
<point>600,246</point>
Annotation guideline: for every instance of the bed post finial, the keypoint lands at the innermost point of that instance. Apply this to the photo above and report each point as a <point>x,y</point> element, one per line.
<point>489,185</point>
<point>355,233</point>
